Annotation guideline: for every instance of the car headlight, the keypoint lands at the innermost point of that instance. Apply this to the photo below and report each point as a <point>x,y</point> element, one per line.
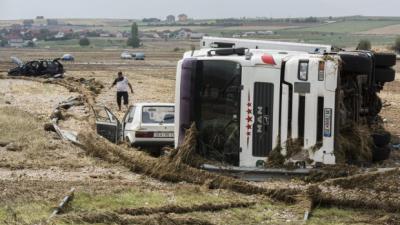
<point>303,70</point>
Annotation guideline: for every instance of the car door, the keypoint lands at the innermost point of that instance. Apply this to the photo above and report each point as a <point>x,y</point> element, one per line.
<point>127,122</point>
<point>108,126</point>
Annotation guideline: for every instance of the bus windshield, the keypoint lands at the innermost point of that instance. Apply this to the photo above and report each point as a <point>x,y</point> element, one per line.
<point>217,88</point>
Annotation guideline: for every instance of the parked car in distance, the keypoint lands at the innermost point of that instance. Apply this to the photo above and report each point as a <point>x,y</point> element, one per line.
<point>138,56</point>
<point>126,55</point>
<point>67,57</point>
<point>144,125</point>
<point>135,56</point>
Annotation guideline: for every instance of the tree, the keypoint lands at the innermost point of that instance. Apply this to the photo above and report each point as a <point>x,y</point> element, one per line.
<point>30,44</point>
<point>364,45</point>
<point>397,44</point>
<point>44,34</point>
<point>3,42</point>
<point>134,40</point>
<point>84,41</point>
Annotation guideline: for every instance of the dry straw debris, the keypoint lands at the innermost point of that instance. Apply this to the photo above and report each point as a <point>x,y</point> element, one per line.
<point>172,169</point>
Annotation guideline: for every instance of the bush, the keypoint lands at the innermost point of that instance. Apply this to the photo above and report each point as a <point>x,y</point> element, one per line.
<point>3,42</point>
<point>364,45</point>
<point>397,44</point>
<point>84,42</point>
<point>30,44</point>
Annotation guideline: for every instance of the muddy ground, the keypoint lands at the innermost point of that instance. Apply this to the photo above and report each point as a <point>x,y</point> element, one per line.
<point>39,168</point>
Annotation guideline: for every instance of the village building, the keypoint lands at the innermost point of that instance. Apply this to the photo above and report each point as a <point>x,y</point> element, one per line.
<point>170,19</point>
<point>15,40</point>
<point>183,33</point>
<point>197,36</point>
<point>119,35</point>
<point>182,18</point>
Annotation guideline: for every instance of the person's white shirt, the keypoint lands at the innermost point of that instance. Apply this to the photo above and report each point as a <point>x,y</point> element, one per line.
<point>123,86</point>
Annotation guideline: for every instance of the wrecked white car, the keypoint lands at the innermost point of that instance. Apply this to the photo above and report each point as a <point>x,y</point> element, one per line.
<point>144,124</point>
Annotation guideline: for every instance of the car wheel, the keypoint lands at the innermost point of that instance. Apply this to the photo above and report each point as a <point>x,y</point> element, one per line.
<point>381,139</point>
<point>357,63</point>
<point>385,59</point>
<point>384,75</point>
<point>380,153</point>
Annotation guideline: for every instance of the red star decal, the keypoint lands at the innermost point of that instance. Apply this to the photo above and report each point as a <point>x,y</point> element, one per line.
<point>249,111</point>
<point>249,104</point>
<point>249,119</point>
<point>249,126</point>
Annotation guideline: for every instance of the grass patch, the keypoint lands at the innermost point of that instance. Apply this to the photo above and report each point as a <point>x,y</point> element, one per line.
<point>27,213</point>
<point>264,213</point>
<point>337,216</point>
<point>139,197</point>
<point>36,147</point>
<point>189,195</point>
<point>17,124</point>
<point>113,201</point>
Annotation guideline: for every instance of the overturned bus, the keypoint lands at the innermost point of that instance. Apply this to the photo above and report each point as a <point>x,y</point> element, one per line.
<point>252,99</point>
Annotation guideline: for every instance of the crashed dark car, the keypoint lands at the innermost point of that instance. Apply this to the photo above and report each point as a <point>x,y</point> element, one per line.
<point>38,68</point>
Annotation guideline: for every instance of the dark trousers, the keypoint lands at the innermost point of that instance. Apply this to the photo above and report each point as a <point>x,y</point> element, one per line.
<point>122,95</point>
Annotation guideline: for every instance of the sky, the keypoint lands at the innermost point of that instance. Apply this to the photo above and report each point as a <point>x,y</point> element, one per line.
<point>137,9</point>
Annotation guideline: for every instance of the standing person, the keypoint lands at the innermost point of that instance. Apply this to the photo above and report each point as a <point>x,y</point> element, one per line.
<point>122,89</point>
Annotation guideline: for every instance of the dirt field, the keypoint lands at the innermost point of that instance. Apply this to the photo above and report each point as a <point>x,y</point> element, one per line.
<point>37,168</point>
<point>386,30</point>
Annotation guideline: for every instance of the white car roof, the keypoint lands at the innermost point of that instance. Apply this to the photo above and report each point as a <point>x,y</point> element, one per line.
<point>152,104</point>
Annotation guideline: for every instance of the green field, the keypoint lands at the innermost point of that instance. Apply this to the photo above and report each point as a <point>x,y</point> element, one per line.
<point>94,43</point>
<point>344,34</point>
<point>347,26</point>
<point>344,40</point>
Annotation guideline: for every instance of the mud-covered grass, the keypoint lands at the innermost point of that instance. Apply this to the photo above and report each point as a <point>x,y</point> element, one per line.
<point>344,216</point>
<point>28,213</point>
<point>354,144</point>
<point>368,191</point>
<point>388,181</point>
<point>140,197</point>
<point>331,171</point>
<point>167,169</point>
<point>31,146</point>
<point>32,205</point>
<point>264,212</point>
<point>17,124</point>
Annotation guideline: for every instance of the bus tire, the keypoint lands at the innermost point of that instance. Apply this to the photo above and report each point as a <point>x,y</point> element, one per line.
<point>381,139</point>
<point>385,59</point>
<point>380,153</point>
<point>384,75</point>
<point>356,63</point>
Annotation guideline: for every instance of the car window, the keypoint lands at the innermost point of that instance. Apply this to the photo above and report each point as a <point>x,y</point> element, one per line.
<point>131,115</point>
<point>158,114</point>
